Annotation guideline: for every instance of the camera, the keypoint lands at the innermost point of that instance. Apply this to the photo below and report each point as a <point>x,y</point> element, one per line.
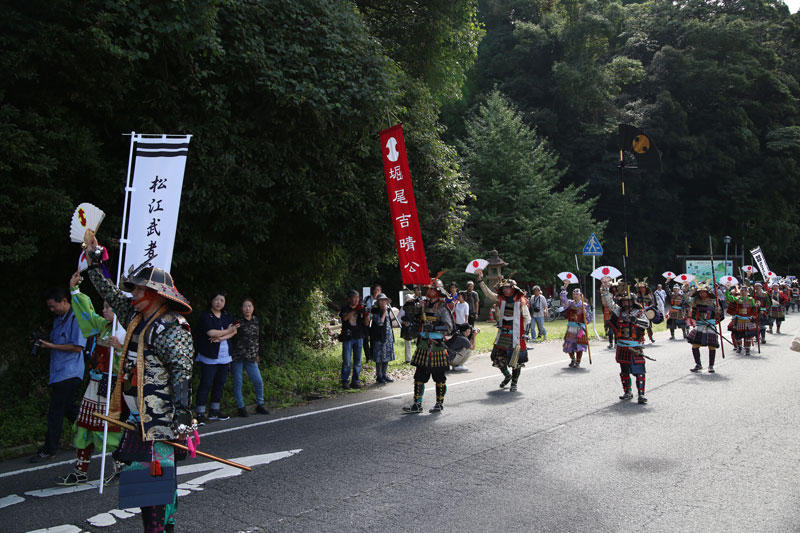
<point>35,340</point>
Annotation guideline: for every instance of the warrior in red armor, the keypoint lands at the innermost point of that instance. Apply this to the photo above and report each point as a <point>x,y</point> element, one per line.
<point>629,323</point>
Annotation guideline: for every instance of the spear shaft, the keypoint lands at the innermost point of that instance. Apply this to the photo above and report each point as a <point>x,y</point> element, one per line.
<point>173,444</point>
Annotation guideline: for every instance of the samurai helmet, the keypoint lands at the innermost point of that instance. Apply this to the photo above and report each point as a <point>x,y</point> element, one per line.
<point>158,280</point>
<point>703,286</point>
<point>503,283</point>
<point>437,285</point>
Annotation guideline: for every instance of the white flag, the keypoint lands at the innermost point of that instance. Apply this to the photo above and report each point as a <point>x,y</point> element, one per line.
<point>155,199</point>
<point>761,262</point>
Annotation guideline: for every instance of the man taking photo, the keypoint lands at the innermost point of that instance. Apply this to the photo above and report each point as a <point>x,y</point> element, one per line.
<point>66,369</point>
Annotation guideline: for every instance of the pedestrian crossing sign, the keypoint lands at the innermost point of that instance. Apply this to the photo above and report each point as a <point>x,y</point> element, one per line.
<point>593,246</point>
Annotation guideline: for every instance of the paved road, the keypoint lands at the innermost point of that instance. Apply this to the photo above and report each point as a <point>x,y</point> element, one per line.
<point>710,452</point>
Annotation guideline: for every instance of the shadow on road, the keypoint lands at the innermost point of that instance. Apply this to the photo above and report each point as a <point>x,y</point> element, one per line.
<point>705,376</point>
<point>624,408</point>
<point>567,371</point>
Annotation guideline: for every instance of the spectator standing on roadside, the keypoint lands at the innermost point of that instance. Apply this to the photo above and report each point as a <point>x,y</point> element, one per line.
<point>355,321</point>
<point>661,299</point>
<point>369,303</point>
<point>473,301</point>
<point>409,316</point>
<point>538,313</point>
<point>452,297</point>
<point>461,311</point>
<point>382,336</point>
<point>214,356</point>
<point>245,349</point>
<point>66,369</point>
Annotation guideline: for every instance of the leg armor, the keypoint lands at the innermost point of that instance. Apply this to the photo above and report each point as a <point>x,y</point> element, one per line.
<point>640,384</point>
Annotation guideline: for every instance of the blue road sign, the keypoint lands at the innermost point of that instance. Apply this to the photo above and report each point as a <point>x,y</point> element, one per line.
<point>593,246</point>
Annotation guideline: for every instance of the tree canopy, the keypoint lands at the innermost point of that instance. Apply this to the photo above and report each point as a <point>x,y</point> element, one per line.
<point>510,111</point>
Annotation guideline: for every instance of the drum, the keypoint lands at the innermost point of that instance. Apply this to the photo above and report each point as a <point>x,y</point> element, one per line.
<point>654,315</point>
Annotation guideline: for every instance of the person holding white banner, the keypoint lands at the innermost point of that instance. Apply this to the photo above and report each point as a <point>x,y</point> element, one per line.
<point>153,384</point>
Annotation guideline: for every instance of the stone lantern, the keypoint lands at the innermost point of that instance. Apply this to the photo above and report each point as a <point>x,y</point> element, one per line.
<point>494,268</point>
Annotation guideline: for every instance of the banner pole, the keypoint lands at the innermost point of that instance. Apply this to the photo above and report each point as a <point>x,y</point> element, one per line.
<point>114,325</point>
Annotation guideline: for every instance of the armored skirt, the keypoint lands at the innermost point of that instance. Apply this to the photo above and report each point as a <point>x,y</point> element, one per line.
<point>743,327</point>
<point>575,339</point>
<point>431,353</point>
<point>631,353</point>
<point>503,350</point>
<point>703,335</point>
<point>89,428</point>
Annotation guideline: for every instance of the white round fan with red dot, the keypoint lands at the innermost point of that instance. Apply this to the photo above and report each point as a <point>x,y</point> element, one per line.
<point>568,276</point>
<point>476,264</point>
<point>602,271</point>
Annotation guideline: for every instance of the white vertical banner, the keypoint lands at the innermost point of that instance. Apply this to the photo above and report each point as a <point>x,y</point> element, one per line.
<point>761,262</point>
<point>155,198</point>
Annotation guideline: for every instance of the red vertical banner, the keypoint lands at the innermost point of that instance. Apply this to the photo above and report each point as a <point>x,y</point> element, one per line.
<point>403,207</point>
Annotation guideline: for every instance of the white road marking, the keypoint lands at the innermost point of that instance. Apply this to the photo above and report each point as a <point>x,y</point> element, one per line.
<point>214,471</point>
<point>58,491</point>
<point>11,499</point>
<point>59,529</point>
<point>102,520</point>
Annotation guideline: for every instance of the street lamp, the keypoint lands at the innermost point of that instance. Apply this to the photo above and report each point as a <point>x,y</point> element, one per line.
<point>728,240</point>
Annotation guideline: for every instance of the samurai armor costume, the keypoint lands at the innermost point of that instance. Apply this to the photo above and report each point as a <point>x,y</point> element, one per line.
<point>777,310</point>
<point>430,358</point>
<point>88,434</point>
<point>763,302</point>
<point>577,315</point>
<point>511,323</point>
<point>152,390</point>
<point>607,325</point>
<point>645,301</point>
<point>705,332</point>
<point>676,315</point>
<point>513,318</point>
<point>742,309</point>
<point>630,325</point>
<point>704,312</point>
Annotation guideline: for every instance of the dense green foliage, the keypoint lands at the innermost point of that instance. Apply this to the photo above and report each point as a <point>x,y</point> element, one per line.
<point>715,83</point>
<point>510,110</point>
<point>517,209</point>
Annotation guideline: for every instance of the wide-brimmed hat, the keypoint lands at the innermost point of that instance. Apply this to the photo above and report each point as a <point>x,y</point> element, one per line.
<point>161,282</point>
<point>382,296</point>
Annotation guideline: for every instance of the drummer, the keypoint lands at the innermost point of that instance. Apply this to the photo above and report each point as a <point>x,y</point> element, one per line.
<point>644,297</point>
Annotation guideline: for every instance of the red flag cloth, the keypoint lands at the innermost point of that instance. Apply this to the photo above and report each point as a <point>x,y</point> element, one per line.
<point>403,207</point>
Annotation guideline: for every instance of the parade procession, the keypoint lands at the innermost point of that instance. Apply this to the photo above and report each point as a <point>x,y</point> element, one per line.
<point>400,265</point>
